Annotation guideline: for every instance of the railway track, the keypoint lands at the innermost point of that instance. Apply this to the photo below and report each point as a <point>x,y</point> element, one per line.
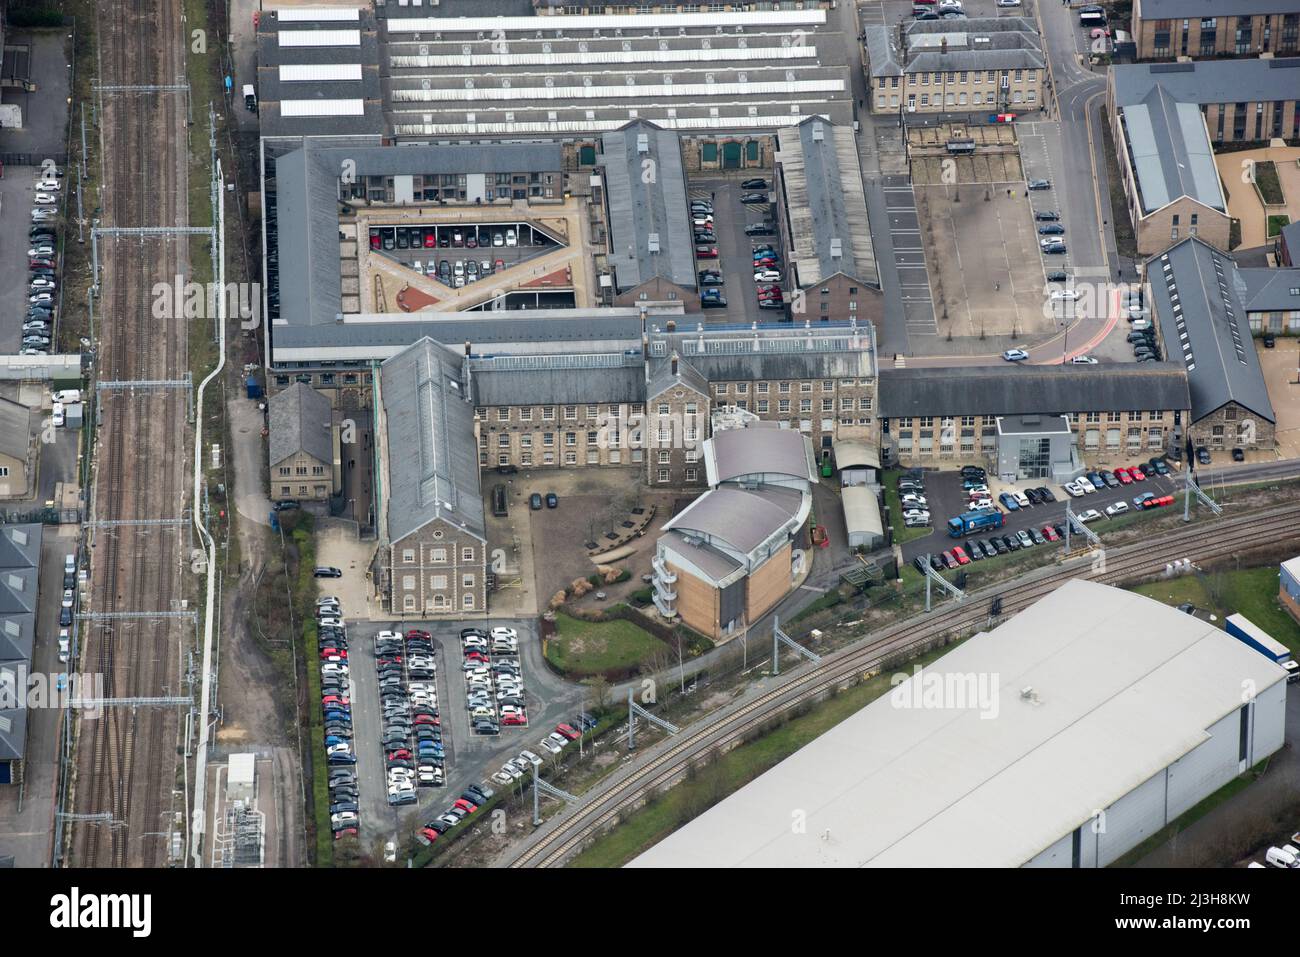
<point>126,759</point>
<point>1203,543</point>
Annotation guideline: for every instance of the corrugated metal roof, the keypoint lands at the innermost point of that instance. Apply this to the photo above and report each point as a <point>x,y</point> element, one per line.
<point>907,786</point>
<point>732,454</point>
<point>432,457</point>
<point>740,518</point>
<point>750,19</point>
<point>1203,325</point>
<point>861,512</point>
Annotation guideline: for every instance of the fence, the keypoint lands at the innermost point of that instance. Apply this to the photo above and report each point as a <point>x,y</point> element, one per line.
<point>32,159</point>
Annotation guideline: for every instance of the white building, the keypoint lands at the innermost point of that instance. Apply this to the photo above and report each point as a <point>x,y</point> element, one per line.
<point>1089,721</point>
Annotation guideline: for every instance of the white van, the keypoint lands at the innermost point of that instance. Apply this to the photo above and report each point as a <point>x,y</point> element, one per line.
<point>67,396</point>
<point>1281,857</point>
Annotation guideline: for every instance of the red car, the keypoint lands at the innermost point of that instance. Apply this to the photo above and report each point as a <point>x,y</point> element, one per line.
<point>374,239</point>
<point>333,699</point>
<point>475,656</point>
<point>333,653</point>
<point>706,252</point>
<point>348,831</point>
<point>427,719</point>
<point>513,719</point>
<point>427,836</point>
<point>770,297</point>
<point>1049,533</point>
<point>430,239</point>
<point>1124,477</point>
<point>961,556</point>
<point>465,806</point>
<point>568,731</point>
<point>949,560</point>
<point>767,262</point>
<point>416,633</point>
<point>1137,475</point>
<point>401,754</point>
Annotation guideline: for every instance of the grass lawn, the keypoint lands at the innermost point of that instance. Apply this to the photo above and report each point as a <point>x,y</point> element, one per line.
<point>1276,224</point>
<point>1270,187</point>
<point>592,648</point>
<point>901,532</point>
<point>646,827</point>
<point>1250,591</point>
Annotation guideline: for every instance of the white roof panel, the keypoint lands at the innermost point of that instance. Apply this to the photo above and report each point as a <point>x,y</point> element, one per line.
<point>319,72</point>
<point>322,107</point>
<point>570,24</point>
<point>1122,686</point>
<point>320,38</point>
<point>317,14</point>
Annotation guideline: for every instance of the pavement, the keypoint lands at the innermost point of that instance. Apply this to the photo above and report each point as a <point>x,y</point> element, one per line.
<point>42,57</point>
<point>1244,203</point>
<point>249,466</point>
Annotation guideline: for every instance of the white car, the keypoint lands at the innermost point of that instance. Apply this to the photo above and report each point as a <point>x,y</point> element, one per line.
<point>1065,295</point>
<point>766,275</point>
<point>918,515</point>
<point>504,633</point>
<point>1015,355</point>
<point>1072,489</point>
<point>1119,508</point>
<point>45,199</point>
<point>1083,361</point>
<point>512,709</point>
<point>914,501</point>
<point>558,738</point>
<point>511,772</point>
<point>57,415</point>
<point>329,621</point>
<point>473,641</point>
<point>343,818</point>
<point>531,758</point>
<point>1091,515</point>
<point>1141,325</point>
<point>502,778</point>
<point>981,504</point>
<point>341,748</point>
<point>550,745</point>
<point>1021,498</point>
<point>511,239</point>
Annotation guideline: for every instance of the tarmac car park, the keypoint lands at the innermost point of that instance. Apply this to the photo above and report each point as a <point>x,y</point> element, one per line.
<point>413,749</point>
<point>494,685</point>
<point>336,715</point>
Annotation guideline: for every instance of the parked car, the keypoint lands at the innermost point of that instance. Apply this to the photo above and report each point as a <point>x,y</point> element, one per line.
<point>1039,184</point>
<point>1015,355</point>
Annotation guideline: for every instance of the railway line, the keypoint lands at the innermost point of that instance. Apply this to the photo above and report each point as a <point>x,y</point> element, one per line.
<point>555,841</point>
<point>126,759</point>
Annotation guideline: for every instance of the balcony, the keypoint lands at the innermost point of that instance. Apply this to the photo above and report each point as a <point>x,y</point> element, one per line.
<point>664,590</point>
<point>661,571</point>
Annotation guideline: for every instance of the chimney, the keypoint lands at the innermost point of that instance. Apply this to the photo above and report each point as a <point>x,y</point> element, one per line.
<point>645,347</point>
<point>943,45</point>
<point>672,325</point>
<point>467,348</point>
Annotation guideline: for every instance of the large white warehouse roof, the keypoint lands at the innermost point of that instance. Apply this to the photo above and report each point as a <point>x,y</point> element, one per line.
<point>1122,686</point>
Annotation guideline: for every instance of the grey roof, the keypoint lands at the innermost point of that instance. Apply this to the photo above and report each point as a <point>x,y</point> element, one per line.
<point>776,366</point>
<point>1205,328</point>
<point>17,633</point>
<point>559,386</point>
<point>1010,389</point>
<point>650,226</point>
<point>976,43</point>
<point>1271,290</point>
<point>883,55</point>
<point>741,518</point>
<point>13,741</point>
<point>662,377</point>
<point>272,92</point>
<point>1206,81</point>
<point>433,470</point>
<point>713,562</point>
<point>20,546</point>
<point>826,204</point>
<point>15,429</point>
<point>1291,240</point>
<point>739,452</point>
<point>1033,424</point>
<point>1187,9</point>
<point>307,205</point>
<point>20,555</point>
<point>18,591</point>
<point>1171,154</point>
<point>300,421</point>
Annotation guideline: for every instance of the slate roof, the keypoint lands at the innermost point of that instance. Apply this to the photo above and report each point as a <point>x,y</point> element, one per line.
<point>1170,152</point>
<point>1186,9</point>
<point>300,420</point>
<point>1206,81</point>
<point>662,378</point>
<point>1270,290</point>
<point>1009,389</point>
<point>559,386</point>
<point>650,226</point>
<point>15,429</point>
<point>1205,328</point>
<point>432,455</point>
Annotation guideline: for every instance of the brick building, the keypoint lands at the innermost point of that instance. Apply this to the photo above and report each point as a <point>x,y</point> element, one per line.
<point>302,445</point>
<point>1168,29</point>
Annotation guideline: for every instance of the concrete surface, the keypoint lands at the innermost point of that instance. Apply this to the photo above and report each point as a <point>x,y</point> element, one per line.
<point>1243,200</point>
<point>44,131</point>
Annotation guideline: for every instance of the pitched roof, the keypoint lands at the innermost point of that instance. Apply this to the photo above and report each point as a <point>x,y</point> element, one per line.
<point>663,378</point>
<point>1206,81</point>
<point>1171,153</point>
<point>559,386</point>
<point>15,429</point>
<point>432,455</point>
<point>1270,290</point>
<point>1197,300</point>
<point>1009,389</point>
<point>300,421</point>
<point>1188,9</point>
<point>648,217</point>
<point>826,202</point>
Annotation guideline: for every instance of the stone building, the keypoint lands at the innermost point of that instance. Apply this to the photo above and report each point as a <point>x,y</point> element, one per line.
<point>302,445</point>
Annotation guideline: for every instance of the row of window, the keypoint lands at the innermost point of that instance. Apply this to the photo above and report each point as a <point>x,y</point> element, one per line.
<point>964,76</point>
<point>439,582</point>
<point>302,491</point>
<point>437,602</point>
<point>438,554</point>
<point>784,388</point>
<point>285,471</point>
<point>958,99</point>
<point>969,421</point>
<point>1091,440</point>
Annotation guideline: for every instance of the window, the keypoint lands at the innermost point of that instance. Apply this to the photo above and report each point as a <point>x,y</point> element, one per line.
<point>570,438</point>
<point>467,601</point>
<point>438,556</point>
<point>570,412</point>
<point>692,475</point>
<point>467,554</point>
<point>548,413</point>
<point>548,439</point>
<point>663,475</point>
<point>665,457</point>
<point>503,414</point>
<point>408,555</point>
<point>525,415</point>
<point>438,582</point>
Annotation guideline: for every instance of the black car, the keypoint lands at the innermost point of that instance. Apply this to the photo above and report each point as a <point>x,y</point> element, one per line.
<point>1269,340</point>
<point>1059,528</point>
<point>760,229</point>
<point>535,502</point>
<point>1110,479</point>
<point>1039,184</point>
<point>754,198</point>
<point>713,302</point>
<point>919,562</point>
<point>1047,216</point>
<point>1046,494</point>
<point>1238,455</point>
<point>1012,543</point>
<point>552,500</point>
<point>936,562</point>
<point>327,571</point>
<point>972,471</point>
<point>989,550</point>
<point>999,546</point>
<point>711,279</point>
<point>1202,456</point>
<point>753,184</point>
<point>1051,229</point>
<point>1037,537</point>
<point>1033,496</point>
<point>1058,275</point>
<point>973,551</point>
